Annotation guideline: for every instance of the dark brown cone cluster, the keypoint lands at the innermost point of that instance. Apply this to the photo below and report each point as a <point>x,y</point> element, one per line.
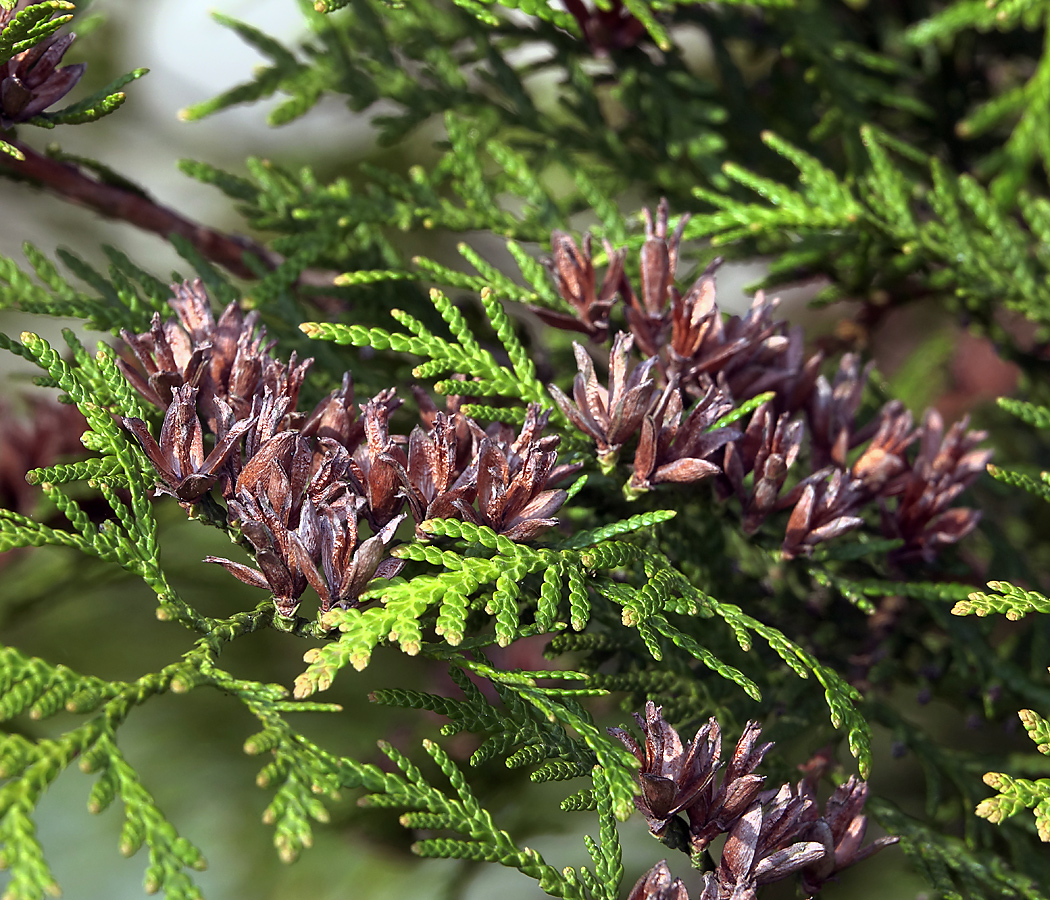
<point>32,80</point>
<point>945,466</point>
<point>319,496</point>
<point>614,414</point>
<point>671,450</point>
<point>572,268</point>
<point>770,834</point>
<point>605,28</point>
<point>694,364</point>
<point>40,433</point>
<point>657,884</point>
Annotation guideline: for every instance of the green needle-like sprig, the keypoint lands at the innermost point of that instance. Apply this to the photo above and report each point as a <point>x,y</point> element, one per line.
<point>464,356</point>
<point>461,812</point>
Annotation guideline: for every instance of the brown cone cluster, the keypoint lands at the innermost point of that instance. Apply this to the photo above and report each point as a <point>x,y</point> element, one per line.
<point>683,364</point>
<point>32,80</point>
<point>319,495</point>
<point>606,27</point>
<point>770,834</point>
<point>42,432</point>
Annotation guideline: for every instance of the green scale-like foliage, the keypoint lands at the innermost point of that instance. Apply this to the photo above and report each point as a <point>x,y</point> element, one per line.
<point>128,298</point>
<point>970,243</point>
<point>29,767</point>
<point>525,590</point>
<point>29,27</point>
<point>32,26</point>
<point>1016,794</point>
<point>433,810</point>
<point>947,863</point>
<point>339,223</point>
<point>1014,602</point>
<point>466,356</point>
<point>129,539</point>
<point>572,569</point>
<point>532,727</point>
<point>648,608</point>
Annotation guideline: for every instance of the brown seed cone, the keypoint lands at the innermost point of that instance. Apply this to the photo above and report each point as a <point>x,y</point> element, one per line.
<point>32,80</point>
<point>613,414</point>
<point>179,456</point>
<point>672,451</point>
<point>573,272</point>
<point>657,884</point>
<point>672,775</point>
<point>826,508</point>
<point>945,466</point>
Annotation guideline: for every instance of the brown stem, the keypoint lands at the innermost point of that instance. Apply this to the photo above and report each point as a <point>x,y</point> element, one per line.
<point>72,183</point>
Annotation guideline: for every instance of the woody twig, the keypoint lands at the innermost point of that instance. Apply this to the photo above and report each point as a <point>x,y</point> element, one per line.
<point>128,204</point>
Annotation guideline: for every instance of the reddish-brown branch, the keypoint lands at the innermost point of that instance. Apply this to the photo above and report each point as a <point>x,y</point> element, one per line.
<point>74,184</point>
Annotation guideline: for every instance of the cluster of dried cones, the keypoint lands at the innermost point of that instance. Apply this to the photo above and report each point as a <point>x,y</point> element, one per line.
<point>32,80</point>
<point>771,834</point>
<point>691,356</point>
<point>300,486</point>
<point>42,434</point>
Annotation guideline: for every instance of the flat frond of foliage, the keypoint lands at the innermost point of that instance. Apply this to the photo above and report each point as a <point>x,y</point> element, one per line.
<point>464,356</point>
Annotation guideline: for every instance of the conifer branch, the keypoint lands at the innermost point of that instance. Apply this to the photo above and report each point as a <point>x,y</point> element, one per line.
<point>463,814</point>
<point>129,203</point>
<point>824,541</point>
